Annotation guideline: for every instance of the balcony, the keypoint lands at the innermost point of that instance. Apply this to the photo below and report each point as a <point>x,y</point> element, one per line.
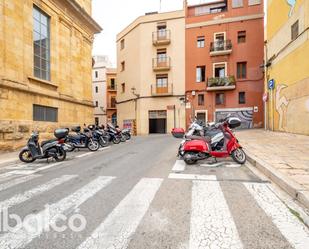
<point>162,90</point>
<point>218,83</point>
<point>111,106</point>
<point>220,48</point>
<point>161,37</point>
<point>112,88</point>
<point>161,64</point>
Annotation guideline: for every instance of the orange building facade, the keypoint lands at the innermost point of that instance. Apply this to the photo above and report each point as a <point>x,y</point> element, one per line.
<point>111,93</point>
<point>224,54</point>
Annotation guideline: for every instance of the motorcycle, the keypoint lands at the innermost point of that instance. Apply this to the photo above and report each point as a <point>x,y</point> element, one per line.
<point>113,134</point>
<point>99,135</point>
<point>126,133</point>
<point>195,148</point>
<point>47,149</point>
<point>81,140</point>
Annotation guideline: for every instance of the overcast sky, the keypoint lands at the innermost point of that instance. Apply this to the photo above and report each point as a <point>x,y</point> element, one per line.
<point>115,15</point>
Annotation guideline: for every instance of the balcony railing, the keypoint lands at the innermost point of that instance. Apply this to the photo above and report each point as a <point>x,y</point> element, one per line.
<point>112,88</point>
<point>220,47</point>
<point>161,37</point>
<point>162,90</point>
<point>221,83</point>
<point>111,106</point>
<point>161,63</point>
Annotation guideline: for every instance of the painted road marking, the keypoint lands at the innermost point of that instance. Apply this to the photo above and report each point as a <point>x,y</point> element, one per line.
<point>225,164</point>
<point>179,166</point>
<point>211,225</point>
<point>192,177</point>
<point>85,154</point>
<point>20,238</point>
<point>104,148</point>
<point>121,223</point>
<point>19,198</point>
<point>17,181</point>
<point>293,230</point>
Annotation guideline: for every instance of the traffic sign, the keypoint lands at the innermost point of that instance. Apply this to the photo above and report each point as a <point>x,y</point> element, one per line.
<point>271,84</point>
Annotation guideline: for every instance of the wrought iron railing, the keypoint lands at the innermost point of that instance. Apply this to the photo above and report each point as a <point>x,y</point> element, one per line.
<point>218,46</point>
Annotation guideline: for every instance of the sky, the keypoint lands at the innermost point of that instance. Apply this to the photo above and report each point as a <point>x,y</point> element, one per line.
<point>115,15</point>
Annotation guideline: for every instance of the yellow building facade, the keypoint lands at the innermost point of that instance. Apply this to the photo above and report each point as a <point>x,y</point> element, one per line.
<point>151,73</point>
<point>45,67</point>
<point>287,57</point>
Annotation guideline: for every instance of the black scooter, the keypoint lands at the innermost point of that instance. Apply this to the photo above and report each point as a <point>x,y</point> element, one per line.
<point>48,149</point>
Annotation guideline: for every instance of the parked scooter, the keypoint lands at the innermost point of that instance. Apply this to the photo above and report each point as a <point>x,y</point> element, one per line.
<point>113,134</point>
<point>125,132</point>
<point>196,148</point>
<point>47,149</point>
<point>81,140</point>
<point>99,135</point>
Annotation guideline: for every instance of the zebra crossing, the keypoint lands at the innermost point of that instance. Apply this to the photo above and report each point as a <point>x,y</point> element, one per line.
<point>212,223</point>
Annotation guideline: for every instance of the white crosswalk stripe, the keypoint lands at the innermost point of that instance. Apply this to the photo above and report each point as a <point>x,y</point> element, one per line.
<point>116,230</point>
<point>17,181</point>
<point>295,232</point>
<point>212,225</point>
<point>21,237</point>
<point>19,198</point>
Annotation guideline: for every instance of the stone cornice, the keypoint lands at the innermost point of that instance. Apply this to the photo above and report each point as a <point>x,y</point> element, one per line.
<point>73,7</point>
<point>22,87</point>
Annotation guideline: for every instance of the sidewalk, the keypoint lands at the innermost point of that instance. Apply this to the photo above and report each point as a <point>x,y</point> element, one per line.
<point>283,157</point>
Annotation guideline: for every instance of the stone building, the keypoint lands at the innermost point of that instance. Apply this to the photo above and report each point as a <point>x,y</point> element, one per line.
<point>45,67</point>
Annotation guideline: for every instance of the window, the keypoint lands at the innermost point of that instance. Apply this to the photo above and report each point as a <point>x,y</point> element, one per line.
<point>41,47</point>
<point>254,2</point>
<point>200,99</point>
<point>241,37</point>
<point>219,98</point>
<point>200,73</point>
<point>112,83</point>
<point>162,80</point>
<point>294,31</point>
<point>96,89</point>
<point>242,98</point>
<point>123,66</point>
<point>45,113</point>
<point>96,104</point>
<point>96,121</point>
<point>219,70</point>
<point>237,3</point>
<point>161,55</point>
<point>123,87</point>
<point>161,30</point>
<point>96,74</point>
<point>113,102</point>
<point>241,70</point>
<point>201,41</point>
<point>122,44</point>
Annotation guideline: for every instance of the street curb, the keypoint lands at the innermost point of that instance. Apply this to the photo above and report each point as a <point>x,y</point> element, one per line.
<point>295,190</point>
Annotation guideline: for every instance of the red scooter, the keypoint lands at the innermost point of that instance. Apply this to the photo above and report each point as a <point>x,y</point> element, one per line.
<point>198,148</point>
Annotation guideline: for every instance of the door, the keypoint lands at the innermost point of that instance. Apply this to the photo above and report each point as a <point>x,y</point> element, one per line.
<point>157,122</point>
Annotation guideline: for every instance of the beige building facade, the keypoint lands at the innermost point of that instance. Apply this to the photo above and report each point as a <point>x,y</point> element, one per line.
<point>151,73</point>
<point>99,88</point>
<point>45,67</point>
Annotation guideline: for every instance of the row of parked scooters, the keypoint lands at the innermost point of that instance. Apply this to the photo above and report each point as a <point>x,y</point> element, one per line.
<point>68,140</point>
<point>216,140</point>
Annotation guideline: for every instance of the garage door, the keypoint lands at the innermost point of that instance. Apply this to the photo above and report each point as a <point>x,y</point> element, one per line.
<point>157,122</point>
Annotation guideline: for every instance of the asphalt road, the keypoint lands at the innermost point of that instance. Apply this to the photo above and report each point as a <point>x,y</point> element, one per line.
<point>137,195</point>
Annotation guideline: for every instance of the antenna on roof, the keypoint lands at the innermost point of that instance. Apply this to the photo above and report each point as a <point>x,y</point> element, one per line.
<point>160,5</point>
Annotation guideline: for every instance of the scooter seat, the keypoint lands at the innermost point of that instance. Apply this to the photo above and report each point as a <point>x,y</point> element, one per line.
<point>48,141</point>
<point>205,139</point>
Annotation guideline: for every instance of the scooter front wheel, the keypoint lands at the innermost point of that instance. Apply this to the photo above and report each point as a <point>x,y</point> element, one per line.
<point>239,156</point>
<point>61,155</point>
<point>116,140</point>
<point>188,158</point>
<point>93,145</point>
<point>25,156</point>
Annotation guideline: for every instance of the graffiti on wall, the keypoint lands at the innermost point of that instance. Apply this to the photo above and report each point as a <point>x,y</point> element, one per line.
<point>246,117</point>
<point>292,107</point>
